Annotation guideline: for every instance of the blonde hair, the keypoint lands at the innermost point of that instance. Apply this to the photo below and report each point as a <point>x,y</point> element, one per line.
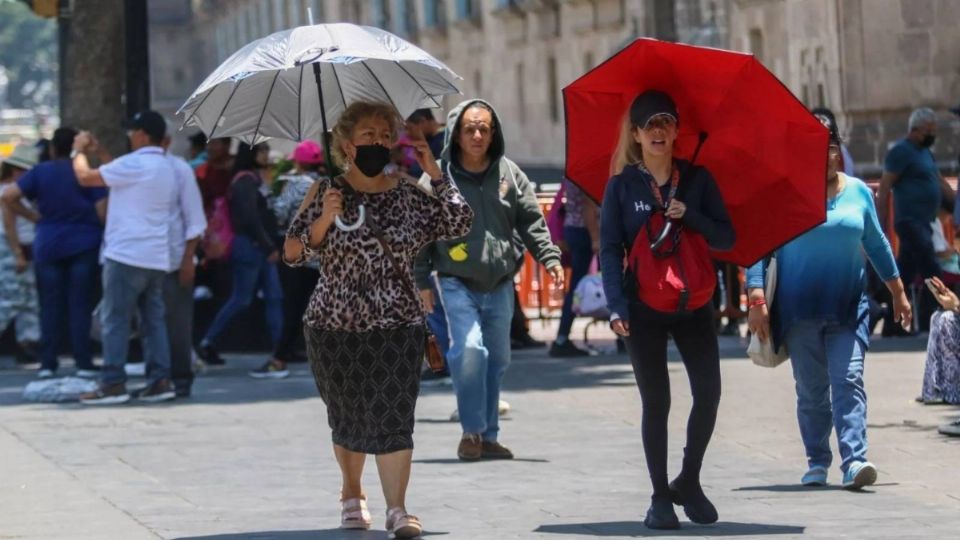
<point>343,130</point>
<point>628,151</point>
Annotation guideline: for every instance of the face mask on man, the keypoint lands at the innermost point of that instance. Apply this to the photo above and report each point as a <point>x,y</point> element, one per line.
<point>928,140</point>
<point>371,159</point>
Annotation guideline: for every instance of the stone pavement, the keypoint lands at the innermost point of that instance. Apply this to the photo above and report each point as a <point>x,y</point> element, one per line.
<point>251,459</point>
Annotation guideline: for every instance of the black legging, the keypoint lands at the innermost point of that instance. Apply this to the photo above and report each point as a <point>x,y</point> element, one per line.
<point>298,284</point>
<point>696,339</point>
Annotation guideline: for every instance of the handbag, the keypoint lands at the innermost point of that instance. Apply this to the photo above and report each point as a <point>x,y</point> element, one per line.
<point>431,350</point>
<point>761,352</point>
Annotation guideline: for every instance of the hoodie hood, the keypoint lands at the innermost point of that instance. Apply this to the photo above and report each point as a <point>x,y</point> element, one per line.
<point>454,117</point>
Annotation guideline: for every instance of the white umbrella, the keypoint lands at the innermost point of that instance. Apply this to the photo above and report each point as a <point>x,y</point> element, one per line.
<point>278,87</point>
<point>269,88</point>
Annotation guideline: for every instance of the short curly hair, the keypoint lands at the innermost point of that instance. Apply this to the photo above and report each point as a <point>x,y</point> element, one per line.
<point>343,130</point>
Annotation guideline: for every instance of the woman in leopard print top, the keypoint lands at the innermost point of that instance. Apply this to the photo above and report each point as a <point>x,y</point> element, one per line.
<point>364,324</point>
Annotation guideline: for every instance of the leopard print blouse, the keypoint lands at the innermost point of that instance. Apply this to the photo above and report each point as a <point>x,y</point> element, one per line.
<point>359,290</point>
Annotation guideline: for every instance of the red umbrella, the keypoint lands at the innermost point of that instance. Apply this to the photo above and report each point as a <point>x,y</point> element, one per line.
<point>766,151</point>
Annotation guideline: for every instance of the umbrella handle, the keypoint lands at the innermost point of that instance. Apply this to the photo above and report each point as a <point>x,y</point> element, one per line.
<point>663,236</point>
<point>353,226</point>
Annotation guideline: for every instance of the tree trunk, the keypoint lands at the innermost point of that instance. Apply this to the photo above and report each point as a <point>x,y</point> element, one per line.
<point>92,73</point>
<point>663,20</point>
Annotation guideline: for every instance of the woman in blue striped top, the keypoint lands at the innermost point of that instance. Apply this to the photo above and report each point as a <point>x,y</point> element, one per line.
<point>821,315</point>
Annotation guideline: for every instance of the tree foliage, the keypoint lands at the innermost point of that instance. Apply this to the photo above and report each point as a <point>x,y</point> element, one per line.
<point>28,57</point>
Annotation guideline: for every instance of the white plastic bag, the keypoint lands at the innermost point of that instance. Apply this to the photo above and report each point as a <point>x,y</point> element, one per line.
<point>589,300</point>
<point>761,352</point>
<point>58,390</point>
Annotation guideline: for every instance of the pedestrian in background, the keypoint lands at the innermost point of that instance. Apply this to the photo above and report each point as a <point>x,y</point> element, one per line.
<point>65,251</point>
<point>821,314</point>
<point>910,172</point>
<point>186,228</point>
<point>648,181</point>
<point>581,234</point>
<point>476,270</point>
<point>298,282</point>
<point>364,325</point>
<point>18,285</point>
<point>253,255</point>
<point>142,206</point>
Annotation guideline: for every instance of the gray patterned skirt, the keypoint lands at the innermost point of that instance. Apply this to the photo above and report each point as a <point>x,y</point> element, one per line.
<point>941,376</point>
<point>370,382</point>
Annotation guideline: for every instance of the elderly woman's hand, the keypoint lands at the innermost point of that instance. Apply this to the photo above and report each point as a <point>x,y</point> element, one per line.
<point>426,159</point>
<point>758,320</point>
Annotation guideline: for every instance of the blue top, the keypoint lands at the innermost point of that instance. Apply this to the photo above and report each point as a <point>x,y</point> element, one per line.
<point>68,218</point>
<point>627,204</point>
<point>916,193</point>
<point>821,274</point>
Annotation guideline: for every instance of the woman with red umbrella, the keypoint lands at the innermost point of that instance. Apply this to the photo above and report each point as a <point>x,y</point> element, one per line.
<point>637,203</point>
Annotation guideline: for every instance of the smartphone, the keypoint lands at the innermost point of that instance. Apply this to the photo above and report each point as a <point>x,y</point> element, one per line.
<point>932,286</point>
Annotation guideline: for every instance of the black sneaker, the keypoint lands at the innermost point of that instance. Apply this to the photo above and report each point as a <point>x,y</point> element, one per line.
<point>526,341</point>
<point>182,391</point>
<point>695,503</point>
<point>209,355</point>
<point>661,514</point>
<point>566,350</point>
<point>160,390</point>
<point>273,369</point>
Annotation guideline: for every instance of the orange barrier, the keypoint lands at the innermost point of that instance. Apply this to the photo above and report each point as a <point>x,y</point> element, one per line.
<point>537,291</point>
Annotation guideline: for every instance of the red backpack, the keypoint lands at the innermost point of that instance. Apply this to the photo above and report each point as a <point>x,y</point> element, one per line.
<point>672,266</point>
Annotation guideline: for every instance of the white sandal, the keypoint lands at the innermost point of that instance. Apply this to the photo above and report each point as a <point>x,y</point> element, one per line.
<point>354,514</point>
<point>400,524</point>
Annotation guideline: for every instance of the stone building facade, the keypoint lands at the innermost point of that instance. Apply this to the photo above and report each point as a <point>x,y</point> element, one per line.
<point>871,61</point>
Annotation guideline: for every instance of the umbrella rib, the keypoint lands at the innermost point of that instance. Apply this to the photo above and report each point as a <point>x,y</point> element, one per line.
<point>414,79</point>
<point>266,103</point>
<point>343,97</point>
<point>300,106</point>
<point>225,105</point>
<point>197,109</point>
<point>380,84</point>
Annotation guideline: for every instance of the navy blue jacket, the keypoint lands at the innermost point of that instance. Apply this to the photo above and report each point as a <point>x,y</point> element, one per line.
<point>627,204</point>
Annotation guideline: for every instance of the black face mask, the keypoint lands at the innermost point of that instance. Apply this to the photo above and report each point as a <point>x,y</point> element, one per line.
<point>371,159</point>
<point>928,141</point>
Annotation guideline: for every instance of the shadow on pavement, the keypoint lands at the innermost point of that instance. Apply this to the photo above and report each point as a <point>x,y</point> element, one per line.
<point>637,528</point>
<point>324,534</point>
<point>797,488</point>
<point>455,461</point>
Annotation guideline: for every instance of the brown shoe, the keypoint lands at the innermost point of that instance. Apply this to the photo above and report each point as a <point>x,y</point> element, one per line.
<point>112,394</point>
<point>471,447</point>
<point>495,450</point>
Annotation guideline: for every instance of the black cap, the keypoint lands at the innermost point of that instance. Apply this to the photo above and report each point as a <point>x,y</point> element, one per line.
<point>649,104</point>
<point>829,121</point>
<point>150,122</point>
<point>956,110</point>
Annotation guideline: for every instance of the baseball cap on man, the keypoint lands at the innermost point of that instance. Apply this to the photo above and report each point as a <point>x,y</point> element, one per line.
<point>150,122</point>
<point>956,110</point>
<point>650,104</point>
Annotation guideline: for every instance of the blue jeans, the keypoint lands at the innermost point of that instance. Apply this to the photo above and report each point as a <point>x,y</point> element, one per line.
<point>827,360</point>
<point>437,321</point>
<point>64,287</point>
<point>250,270</point>
<point>479,325</point>
<point>581,253</point>
<point>126,288</point>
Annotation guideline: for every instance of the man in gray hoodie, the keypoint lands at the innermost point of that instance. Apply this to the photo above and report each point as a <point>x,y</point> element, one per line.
<point>476,271</point>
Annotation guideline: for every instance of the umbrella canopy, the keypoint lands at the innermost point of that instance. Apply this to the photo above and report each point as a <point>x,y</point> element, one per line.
<point>269,88</point>
<point>766,151</point>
